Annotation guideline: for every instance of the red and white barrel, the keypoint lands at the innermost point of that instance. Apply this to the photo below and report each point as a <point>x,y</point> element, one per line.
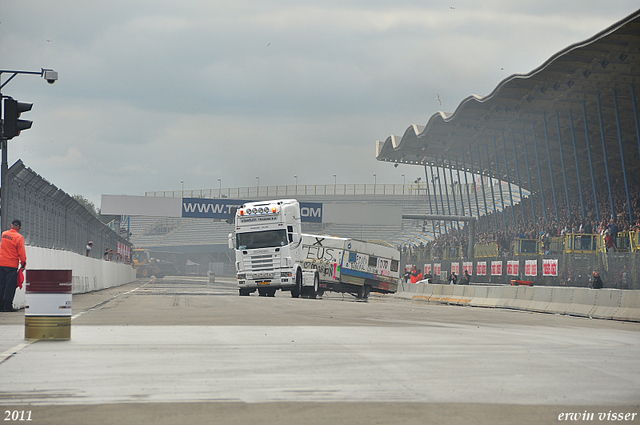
<point>48,304</point>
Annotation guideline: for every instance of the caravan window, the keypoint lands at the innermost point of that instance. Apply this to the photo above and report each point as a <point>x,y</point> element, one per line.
<point>394,265</point>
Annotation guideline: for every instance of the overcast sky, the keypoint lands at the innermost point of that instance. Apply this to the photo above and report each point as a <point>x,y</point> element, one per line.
<point>154,92</point>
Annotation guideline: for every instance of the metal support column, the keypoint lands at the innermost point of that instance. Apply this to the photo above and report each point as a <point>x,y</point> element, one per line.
<point>515,160</point>
<point>575,154</point>
<point>466,183</point>
<point>476,186</point>
<point>564,168</point>
<point>453,192</point>
<point>495,152</point>
<point>606,159</point>
<point>493,195</point>
<point>435,194</point>
<point>426,178</point>
<point>593,180</point>
<point>553,186</point>
<point>506,165</point>
<point>635,115</point>
<point>440,190</point>
<point>624,168</point>
<point>535,145</point>
<point>526,160</point>
<point>484,194</point>
<point>446,188</point>
<point>459,185</point>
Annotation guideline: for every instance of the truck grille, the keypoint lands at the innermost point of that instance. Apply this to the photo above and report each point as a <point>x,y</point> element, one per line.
<point>260,263</point>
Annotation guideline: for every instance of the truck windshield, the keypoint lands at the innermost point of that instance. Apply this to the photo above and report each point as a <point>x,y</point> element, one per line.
<point>266,239</point>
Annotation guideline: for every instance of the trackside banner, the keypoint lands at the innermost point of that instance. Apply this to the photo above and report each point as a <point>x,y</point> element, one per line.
<point>225,209</point>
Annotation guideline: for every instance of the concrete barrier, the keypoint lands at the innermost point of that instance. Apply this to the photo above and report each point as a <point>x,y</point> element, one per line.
<point>541,299</point>
<point>584,299</point>
<point>436,292</point>
<point>524,298</point>
<point>494,294</point>
<point>427,291</point>
<point>88,274</point>
<point>561,299</point>
<point>508,296</point>
<point>598,303</point>
<point>460,296</point>
<point>479,296</point>
<point>607,303</point>
<point>629,302</point>
<point>417,291</point>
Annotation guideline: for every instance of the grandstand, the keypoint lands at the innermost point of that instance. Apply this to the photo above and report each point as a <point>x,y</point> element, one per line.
<point>569,132</point>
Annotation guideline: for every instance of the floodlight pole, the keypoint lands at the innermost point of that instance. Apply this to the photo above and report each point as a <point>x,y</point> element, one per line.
<point>51,76</point>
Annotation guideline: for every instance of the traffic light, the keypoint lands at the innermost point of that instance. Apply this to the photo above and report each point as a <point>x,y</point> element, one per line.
<point>12,110</point>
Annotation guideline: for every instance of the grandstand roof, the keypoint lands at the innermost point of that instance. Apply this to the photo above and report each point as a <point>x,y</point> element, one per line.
<point>597,79</point>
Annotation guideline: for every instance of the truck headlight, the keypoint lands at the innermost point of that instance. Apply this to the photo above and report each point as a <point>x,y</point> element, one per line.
<point>285,274</point>
<point>242,276</point>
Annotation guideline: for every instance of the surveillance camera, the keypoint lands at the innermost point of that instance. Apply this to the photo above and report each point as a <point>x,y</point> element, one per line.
<point>50,75</point>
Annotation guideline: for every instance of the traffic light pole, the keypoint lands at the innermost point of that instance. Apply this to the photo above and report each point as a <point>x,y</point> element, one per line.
<point>51,76</point>
<point>4,193</point>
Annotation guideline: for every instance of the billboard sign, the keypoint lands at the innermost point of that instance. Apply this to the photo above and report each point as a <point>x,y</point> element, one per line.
<point>224,209</point>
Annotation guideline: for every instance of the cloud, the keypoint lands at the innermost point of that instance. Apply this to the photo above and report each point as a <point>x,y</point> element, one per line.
<point>155,92</point>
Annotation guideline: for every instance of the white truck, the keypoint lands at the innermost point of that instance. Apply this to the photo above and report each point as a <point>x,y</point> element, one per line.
<point>272,253</point>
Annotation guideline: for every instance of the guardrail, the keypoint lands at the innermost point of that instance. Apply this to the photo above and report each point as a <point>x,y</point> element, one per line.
<point>612,304</point>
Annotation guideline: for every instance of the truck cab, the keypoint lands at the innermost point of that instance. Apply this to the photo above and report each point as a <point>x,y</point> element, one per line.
<point>268,246</point>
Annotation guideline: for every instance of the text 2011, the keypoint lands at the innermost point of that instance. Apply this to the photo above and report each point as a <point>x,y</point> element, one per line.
<point>17,415</point>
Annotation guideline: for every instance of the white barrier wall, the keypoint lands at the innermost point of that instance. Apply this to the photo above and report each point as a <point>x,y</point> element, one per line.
<point>598,303</point>
<point>88,274</point>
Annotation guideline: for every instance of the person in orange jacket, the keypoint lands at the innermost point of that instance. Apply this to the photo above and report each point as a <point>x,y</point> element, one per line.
<point>12,255</point>
<point>414,274</point>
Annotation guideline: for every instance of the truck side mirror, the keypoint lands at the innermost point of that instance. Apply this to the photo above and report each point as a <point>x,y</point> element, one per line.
<point>231,245</point>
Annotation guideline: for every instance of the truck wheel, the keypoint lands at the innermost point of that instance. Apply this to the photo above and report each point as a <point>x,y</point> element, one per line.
<point>243,292</point>
<point>271,292</point>
<point>297,289</point>
<point>146,272</point>
<point>262,292</point>
<point>313,292</point>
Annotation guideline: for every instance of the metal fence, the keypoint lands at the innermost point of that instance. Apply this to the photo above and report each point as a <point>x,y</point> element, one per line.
<point>315,190</point>
<point>53,219</point>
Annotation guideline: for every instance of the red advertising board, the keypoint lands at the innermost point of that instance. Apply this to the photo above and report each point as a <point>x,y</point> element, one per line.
<point>531,268</point>
<point>496,268</point>
<point>549,267</point>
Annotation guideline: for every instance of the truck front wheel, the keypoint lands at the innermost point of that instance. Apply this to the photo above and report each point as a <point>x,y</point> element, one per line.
<point>297,289</point>
<point>313,292</point>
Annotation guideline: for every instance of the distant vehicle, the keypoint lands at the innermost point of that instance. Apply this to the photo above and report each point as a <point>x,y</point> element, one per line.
<point>146,265</point>
<point>272,253</point>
